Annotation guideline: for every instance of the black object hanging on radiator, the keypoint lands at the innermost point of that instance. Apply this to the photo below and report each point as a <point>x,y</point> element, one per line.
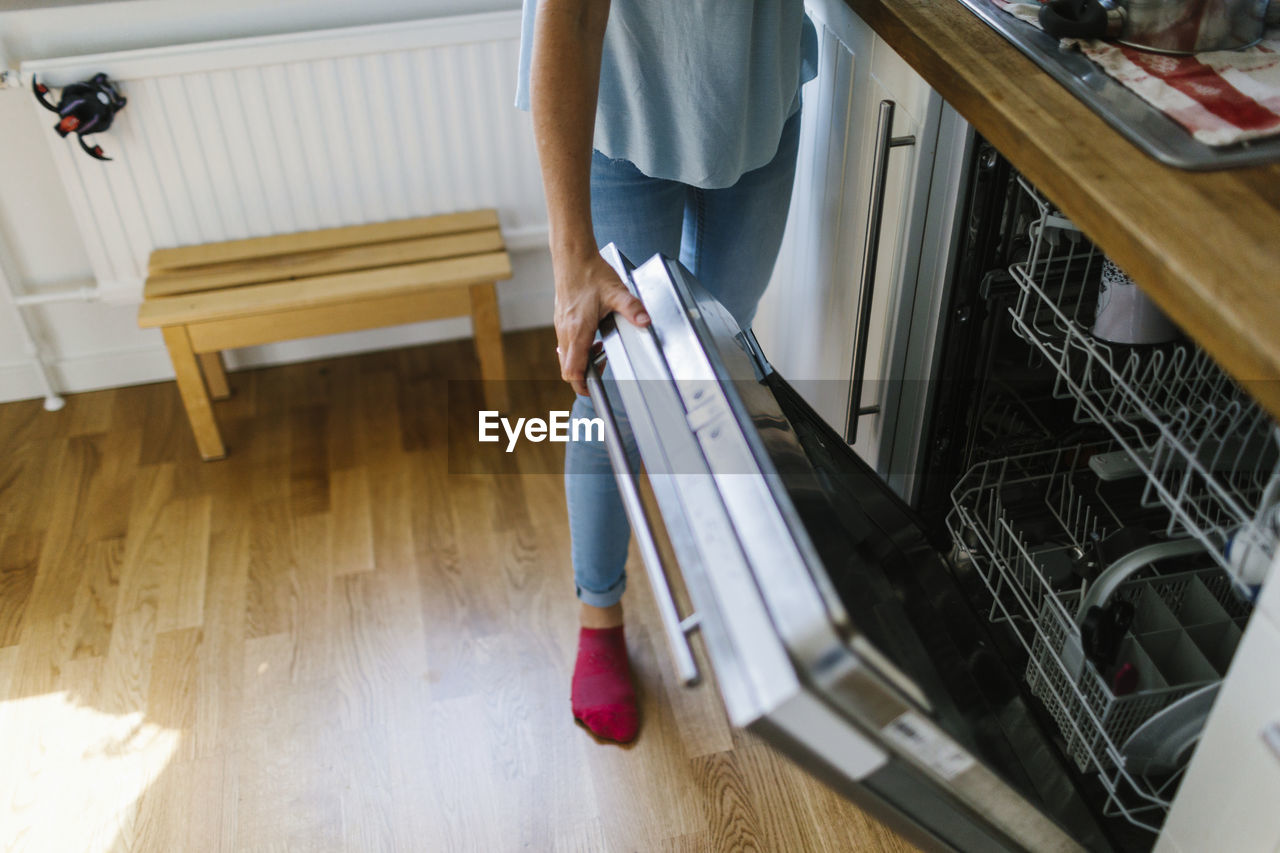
<point>85,107</point>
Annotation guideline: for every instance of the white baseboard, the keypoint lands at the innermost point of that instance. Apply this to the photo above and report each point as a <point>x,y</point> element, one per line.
<point>525,303</point>
<point>19,382</point>
<point>87,373</point>
<point>112,370</point>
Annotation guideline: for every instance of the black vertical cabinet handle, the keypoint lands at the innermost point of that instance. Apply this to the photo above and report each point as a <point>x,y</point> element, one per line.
<point>870,255</point>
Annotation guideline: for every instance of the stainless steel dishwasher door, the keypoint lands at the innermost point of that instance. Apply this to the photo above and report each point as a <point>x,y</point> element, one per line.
<point>789,662</point>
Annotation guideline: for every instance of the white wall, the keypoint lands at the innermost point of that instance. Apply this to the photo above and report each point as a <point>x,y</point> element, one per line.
<point>97,345</point>
<point>73,30</point>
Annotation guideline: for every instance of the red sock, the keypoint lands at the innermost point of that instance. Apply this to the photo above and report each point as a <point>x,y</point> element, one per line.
<point>603,699</point>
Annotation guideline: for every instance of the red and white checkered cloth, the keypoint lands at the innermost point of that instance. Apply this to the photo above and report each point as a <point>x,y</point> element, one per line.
<point>1222,98</point>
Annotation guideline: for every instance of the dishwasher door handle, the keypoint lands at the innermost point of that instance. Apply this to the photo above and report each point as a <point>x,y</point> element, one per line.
<point>870,254</point>
<point>677,630</point>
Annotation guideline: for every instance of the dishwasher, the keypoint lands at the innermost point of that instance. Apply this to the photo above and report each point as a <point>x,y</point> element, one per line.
<point>1023,659</point>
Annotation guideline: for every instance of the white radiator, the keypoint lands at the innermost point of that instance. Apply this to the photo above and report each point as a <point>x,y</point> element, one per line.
<point>269,135</point>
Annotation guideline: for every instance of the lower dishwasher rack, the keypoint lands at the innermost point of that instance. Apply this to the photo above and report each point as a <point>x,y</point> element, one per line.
<point>1018,521</point>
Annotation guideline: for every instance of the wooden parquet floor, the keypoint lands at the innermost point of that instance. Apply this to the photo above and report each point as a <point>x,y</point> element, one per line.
<point>335,639</point>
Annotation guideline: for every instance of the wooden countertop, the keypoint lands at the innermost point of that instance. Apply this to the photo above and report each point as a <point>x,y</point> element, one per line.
<point>1204,246</point>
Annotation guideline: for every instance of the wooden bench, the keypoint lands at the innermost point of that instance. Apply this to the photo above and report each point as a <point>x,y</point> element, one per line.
<point>240,293</point>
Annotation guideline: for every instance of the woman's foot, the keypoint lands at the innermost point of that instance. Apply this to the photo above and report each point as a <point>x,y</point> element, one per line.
<point>603,699</point>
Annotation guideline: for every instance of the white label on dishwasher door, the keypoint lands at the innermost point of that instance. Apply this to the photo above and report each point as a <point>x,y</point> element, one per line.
<point>930,747</point>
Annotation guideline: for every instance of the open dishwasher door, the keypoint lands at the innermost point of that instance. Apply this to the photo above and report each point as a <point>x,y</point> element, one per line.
<point>826,615</point>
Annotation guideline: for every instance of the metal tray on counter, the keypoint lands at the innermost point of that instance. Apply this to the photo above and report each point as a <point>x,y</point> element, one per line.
<point>1135,119</point>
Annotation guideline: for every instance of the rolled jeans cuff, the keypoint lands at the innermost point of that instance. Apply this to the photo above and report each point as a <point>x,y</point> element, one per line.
<point>608,598</point>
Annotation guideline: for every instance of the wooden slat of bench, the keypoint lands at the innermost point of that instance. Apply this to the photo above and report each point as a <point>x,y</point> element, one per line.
<point>326,238</point>
<point>379,312</point>
<point>321,262</point>
<point>323,290</point>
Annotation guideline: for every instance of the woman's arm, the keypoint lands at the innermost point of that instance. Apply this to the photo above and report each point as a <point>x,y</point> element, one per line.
<point>564,80</point>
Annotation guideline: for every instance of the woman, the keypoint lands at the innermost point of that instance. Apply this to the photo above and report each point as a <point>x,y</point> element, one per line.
<point>662,126</point>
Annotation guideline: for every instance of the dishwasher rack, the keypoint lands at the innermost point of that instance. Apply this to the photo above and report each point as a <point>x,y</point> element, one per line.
<point>1015,519</point>
<point>1208,453</point>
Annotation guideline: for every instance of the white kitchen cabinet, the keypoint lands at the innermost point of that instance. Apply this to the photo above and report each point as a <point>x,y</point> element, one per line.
<point>808,320</point>
<point>1228,799</point>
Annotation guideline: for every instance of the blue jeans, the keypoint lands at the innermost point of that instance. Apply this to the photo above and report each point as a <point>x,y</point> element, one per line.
<point>729,239</point>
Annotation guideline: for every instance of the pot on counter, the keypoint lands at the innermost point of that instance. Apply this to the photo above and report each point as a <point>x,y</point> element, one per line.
<point>1166,26</point>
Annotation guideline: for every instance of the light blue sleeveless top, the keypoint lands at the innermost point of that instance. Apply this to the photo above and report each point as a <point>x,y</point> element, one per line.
<point>695,91</point>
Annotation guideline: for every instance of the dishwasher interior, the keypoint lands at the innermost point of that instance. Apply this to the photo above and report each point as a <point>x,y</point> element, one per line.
<point>1109,509</point>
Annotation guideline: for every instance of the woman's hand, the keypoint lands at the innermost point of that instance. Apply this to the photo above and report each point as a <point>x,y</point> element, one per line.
<point>587,289</point>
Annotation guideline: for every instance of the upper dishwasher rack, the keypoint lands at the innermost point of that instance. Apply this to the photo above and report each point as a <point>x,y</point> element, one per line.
<point>1209,453</point>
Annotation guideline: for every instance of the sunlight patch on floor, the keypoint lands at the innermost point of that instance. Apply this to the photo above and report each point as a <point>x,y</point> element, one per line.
<point>73,776</point>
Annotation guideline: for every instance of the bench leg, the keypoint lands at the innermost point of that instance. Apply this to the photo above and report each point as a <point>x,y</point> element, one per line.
<point>195,397</point>
<point>215,375</point>
<point>487,330</point>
